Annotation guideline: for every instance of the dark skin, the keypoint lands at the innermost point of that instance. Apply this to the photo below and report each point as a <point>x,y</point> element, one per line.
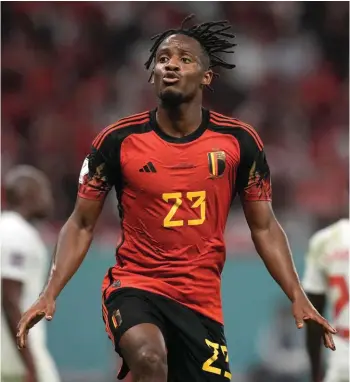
<point>180,103</point>
<point>30,196</point>
<point>179,75</point>
<point>272,245</point>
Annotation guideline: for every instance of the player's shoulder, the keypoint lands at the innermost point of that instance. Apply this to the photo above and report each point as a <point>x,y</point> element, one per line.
<point>320,237</point>
<point>15,229</point>
<point>244,132</point>
<point>325,234</point>
<point>120,129</point>
<point>327,237</point>
<point>10,220</point>
<point>342,225</point>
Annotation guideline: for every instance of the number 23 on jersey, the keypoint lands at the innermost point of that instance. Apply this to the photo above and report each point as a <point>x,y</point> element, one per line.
<point>175,199</point>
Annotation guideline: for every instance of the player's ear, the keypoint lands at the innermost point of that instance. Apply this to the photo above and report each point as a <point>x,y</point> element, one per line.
<point>151,79</point>
<point>207,77</point>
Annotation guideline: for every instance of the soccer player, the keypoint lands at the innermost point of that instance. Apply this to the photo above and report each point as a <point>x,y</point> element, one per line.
<point>24,265</point>
<point>176,170</point>
<point>326,279</point>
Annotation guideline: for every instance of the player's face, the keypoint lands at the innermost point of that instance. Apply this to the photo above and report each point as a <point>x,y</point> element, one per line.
<point>179,71</point>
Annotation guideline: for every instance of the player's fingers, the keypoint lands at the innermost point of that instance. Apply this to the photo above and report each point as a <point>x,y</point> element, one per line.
<point>299,322</point>
<point>35,318</point>
<point>27,322</point>
<point>323,322</point>
<point>50,311</point>
<point>328,341</point>
<point>21,336</point>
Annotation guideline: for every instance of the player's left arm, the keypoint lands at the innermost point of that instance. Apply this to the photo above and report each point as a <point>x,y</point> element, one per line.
<point>254,186</point>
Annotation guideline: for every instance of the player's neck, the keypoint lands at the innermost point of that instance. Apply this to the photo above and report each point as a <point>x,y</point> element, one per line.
<point>179,121</point>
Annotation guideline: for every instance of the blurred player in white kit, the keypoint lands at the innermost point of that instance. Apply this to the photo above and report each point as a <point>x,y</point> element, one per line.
<point>326,281</point>
<point>23,274</point>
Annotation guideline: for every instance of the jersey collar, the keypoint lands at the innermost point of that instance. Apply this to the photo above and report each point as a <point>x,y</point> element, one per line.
<point>188,138</point>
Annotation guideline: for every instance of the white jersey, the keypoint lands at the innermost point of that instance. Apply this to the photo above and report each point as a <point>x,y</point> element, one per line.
<point>24,259</point>
<point>327,272</point>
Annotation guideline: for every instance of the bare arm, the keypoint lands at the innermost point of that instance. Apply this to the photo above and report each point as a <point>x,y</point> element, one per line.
<point>253,183</point>
<point>314,337</point>
<point>10,300</point>
<point>98,175</point>
<point>272,245</point>
<point>73,244</point>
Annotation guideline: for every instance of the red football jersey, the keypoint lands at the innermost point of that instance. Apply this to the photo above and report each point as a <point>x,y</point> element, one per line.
<point>174,197</point>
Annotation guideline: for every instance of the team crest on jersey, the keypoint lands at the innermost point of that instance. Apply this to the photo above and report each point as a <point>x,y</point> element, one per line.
<point>217,163</point>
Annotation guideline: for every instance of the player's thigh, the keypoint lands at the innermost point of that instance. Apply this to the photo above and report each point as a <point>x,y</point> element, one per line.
<point>135,326</point>
<point>197,349</point>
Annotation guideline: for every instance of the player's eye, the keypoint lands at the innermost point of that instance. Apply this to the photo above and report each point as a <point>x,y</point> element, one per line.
<point>186,60</point>
<point>163,59</point>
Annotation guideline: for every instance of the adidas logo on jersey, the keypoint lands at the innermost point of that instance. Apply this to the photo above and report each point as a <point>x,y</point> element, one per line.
<point>148,168</point>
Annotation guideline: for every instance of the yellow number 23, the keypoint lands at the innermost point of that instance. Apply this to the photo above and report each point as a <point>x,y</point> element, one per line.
<point>208,364</point>
<point>198,199</point>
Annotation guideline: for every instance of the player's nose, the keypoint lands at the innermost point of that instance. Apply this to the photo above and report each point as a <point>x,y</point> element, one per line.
<point>172,65</point>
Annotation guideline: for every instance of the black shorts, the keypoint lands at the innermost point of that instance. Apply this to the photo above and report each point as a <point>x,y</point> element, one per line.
<point>197,349</point>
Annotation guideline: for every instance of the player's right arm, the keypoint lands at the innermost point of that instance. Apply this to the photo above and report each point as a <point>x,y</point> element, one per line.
<point>315,285</point>
<point>96,179</point>
<point>73,244</point>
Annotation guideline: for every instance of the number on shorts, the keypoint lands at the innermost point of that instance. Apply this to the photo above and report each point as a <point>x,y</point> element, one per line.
<point>208,364</point>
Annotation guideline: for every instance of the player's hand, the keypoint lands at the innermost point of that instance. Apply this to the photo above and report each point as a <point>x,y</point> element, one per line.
<point>304,311</point>
<point>43,307</point>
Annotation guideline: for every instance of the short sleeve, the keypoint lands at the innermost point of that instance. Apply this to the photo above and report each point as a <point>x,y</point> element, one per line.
<point>315,280</point>
<point>14,258</point>
<point>100,169</point>
<point>253,181</point>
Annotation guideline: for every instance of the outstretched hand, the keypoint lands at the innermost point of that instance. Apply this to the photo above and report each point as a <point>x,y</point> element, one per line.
<point>43,307</point>
<point>304,311</point>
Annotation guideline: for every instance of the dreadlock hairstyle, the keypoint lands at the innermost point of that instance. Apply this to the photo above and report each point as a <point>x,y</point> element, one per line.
<point>210,35</point>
